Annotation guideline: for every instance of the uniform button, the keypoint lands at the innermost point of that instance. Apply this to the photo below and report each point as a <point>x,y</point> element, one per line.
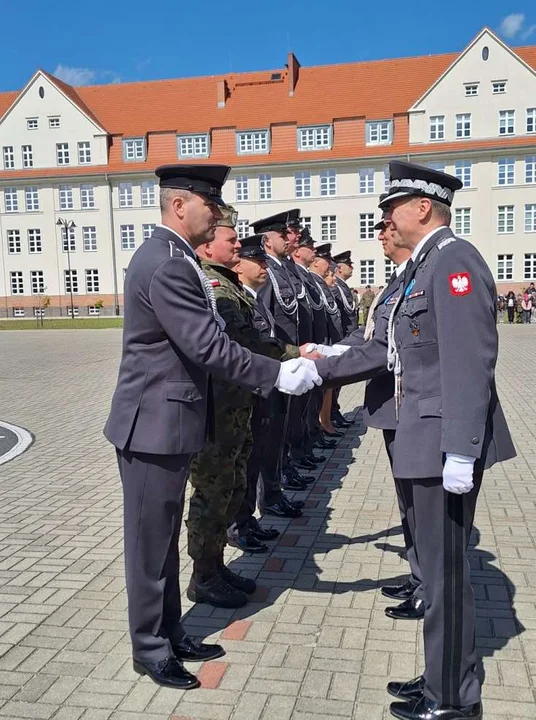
<point>257,391</point>
<point>475,441</point>
<point>190,396</point>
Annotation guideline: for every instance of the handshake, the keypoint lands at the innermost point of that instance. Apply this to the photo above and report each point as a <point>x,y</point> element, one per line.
<point>297,376</point>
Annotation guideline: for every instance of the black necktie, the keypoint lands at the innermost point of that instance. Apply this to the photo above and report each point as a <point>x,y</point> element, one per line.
<point>407,272</point>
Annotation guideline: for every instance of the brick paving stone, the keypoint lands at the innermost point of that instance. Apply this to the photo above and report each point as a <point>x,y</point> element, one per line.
<point>314,641</point>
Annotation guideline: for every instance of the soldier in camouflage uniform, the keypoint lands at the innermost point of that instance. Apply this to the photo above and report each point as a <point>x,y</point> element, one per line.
<point>218,473</point>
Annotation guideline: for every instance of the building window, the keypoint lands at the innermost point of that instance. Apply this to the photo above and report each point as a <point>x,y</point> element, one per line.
<point>53,123</point>
<point>9,157</point>
<point>92,281</point>
<point>17,283</point>
<point>379,133</point>
<point>126,195</point>
<point>32,123</point>
<point>530,169</point>
<point>498,88</point>
<point>18,312</point>
<point>530,217</point>
<point>505,267</point>
<point>437,165</point>
<point>11,199</point>
<point>68,239</point>
<point>147,230</point>
<point>84,152</point>
<point>242,188</point>
<point>265,187</point>
<point>66,197</point>
<point>87,197</point>
<point>62,154</point>
<point>328,183</point>
<point>93,310</point>
<point>31,198</point>
<point>128,238</point>
<point>437,127</point>
<point>505,219</point>
<point>328,226</point>
<point>89,236</point>
<point>305,222</point>
<point>471,89</point>
<point>37,282</point>
<point>72,311</point>
<point>365,177</point>
<point>27,156</point>
<point>386,179</point>
<point>529,271</point>
<point>302,184</point>
<point>506,122</point>
<point>531,120</point>
<point>193,146</point>
<point>34,241</point>
<point>14,245</point>
<point>248,143</point>
<point>367,274</point>
<point>242,229</point>
<point>71,281</point>
<point>366,226</point>
<point>506,171</point>
<point>134,150</point>
<point>462,221</point>
<point>315,138</point>
<point>390,268</point>
<point>463,125</point>
<point>148,193</point>
<point>463,171</point>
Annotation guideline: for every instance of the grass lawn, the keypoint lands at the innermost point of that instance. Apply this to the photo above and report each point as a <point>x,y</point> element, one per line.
<point>63,324</point>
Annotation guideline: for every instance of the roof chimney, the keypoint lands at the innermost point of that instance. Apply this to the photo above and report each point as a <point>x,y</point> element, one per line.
<point>293,72</point>
<point>222,93</point>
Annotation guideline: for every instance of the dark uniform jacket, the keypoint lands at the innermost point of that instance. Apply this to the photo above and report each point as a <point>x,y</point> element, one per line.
<point>171,343</point>
<point>347,305</point>
<point>320,322</point>
<point>333,315</point>
<point>446,336</point>
<point>305,313</point>
<point>286,319</point>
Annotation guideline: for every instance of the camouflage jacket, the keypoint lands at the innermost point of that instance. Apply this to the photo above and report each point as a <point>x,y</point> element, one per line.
<point>237,308</point>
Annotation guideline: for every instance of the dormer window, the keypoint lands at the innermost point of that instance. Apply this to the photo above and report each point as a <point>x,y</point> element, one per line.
<point>134,150</point>
<point>315,138</point>
<point>380,132</point>
<point>253,142</point>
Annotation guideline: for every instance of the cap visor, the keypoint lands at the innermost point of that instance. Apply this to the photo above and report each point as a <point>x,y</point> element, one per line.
<point>394,196</point>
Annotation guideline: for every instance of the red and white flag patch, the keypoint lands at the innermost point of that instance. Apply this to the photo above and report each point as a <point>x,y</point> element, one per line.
<point>214,282</point>
<point>460,284</point>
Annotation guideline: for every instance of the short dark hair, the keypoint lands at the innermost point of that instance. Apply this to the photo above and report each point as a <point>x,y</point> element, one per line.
<point>442,211</point>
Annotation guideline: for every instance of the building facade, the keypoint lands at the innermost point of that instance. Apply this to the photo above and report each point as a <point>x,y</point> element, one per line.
<point>316,138</point>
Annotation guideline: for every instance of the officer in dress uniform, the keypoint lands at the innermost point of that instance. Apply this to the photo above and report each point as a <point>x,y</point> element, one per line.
<point>161,409</point>
<point>442,348</point>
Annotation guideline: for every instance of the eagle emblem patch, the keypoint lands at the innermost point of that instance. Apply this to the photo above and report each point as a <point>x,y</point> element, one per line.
<point>460,284</point>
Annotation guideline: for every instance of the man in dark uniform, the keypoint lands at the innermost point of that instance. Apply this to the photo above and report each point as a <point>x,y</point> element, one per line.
<point>442,348</point>
<point>161,406</point>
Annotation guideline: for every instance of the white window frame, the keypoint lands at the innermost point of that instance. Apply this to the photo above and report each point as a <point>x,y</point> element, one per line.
<point>463,221</point>
<point>306,222</point>
<point>436,129</point>
<point>505,219</point>
<point>506,171</point>
<point>11,199</point>
<point>367,272</point>
<point>315,137</point>
<point>87,196</point>
<point>66,197</point>
<point>242,229</point>
<point>437,165</point>
<point>147,230</point>
<point>379,132</point>
<point>328,183</point>
<point>74,311</point>
<point>530,217</point>
<point>54,122</point>
<point>134,149</point>
<point>8,154</point>
<point>189,146</point>
<point>529,266</point>
<point>84,152</point>
<point>505,266</point>
<point>128,237</point>
<point>469,87</point>
<point>531,120</point>
<point>253,142</point>
<point>148,193</point>
<point>328,228</point>
<point>37,282</point>
<point>18,312</point>
<point>93,310</point>
<point>63,156</point>
<point>14,242</point>
<point>92,281</point>
<point>35,241</point>
<point>126,195</point>
<point>265,186</point>
<point>303,184</point>
<point>16,282</point>
<point>31,198</point>
<point>32,123</point>
<point>463,126</point>
<point>68,239</point>
<point>365,181</point>
<point>498,87</point>
<point>530,169</point>
<point>89,238</point>
<point>27,156</point>
<point>389,267</point>
<point>463,169</point>
<point>507,122</point>
<point>70,278</point>
<point>242,188</point>
<point>366,226</point>
<point>386,179</point>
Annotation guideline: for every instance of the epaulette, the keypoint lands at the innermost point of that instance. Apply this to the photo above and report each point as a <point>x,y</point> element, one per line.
<point>446,242</point>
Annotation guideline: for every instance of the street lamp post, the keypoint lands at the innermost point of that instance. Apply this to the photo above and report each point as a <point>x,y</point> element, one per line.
<point>67,225</point>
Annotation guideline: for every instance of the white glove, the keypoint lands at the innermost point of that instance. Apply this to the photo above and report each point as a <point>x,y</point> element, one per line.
<point>328,350</point>
<point>297,376</point>
<point>458,473</point>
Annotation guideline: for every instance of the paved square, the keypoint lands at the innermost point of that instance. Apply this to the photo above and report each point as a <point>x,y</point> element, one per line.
<point>315,643</point>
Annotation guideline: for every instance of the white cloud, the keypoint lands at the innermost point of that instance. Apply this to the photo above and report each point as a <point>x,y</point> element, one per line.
<point>528,32</point>
<point>75,76</point>
<point>511,25</point>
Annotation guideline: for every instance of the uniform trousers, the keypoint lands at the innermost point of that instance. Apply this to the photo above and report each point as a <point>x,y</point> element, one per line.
<point>153,492</point>
<point>441,524</point>
<point>218,477</point>
<point>297,435</point>
<point>409,542</point>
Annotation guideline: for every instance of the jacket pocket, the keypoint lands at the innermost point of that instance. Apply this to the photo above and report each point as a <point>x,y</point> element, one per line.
<point>414,307</point>
<point>430,406</point>
<point>182,391</point>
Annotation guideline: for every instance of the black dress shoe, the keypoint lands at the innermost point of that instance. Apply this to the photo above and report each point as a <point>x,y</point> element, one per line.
<point>215,591</point>
<point>289,482</point>
<point>410,609</point>
<point>260,533</point>
<point>248,542</point>
<point>307,479</point>
<point>324,444</point>
<point>294,503</point>
<point>169,673</point>
<point>316,458</point>
<point>238,582</point>
<point>339,418</point>
<point>399,592</point>
<point>283,509</point>
<point>410,690</point>
<point>425,709</point>
<point>335,434</point>
<point>305,463</point>
<point>189,651</point>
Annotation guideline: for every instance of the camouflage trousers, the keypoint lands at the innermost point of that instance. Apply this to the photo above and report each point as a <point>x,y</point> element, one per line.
<point>218,477</point>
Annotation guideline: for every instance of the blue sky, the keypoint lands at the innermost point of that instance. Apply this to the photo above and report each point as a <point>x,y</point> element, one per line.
<point>125,41</point>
